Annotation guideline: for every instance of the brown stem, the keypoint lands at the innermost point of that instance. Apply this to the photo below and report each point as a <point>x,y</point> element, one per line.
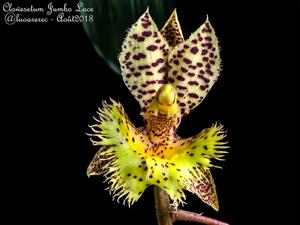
<point>166,217</point>
<point>162,206</point>
<point>181,215</point>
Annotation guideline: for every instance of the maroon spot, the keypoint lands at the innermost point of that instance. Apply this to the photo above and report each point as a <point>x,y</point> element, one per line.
<point>149,73</point>
<point>205,59</point>
<point>206,30</point>
<point>181,87</point>
<point>179,55</point>
<point>142,55</point>
<point>160,60</point>
<point>183,69</point>
<point>151,91</point>
<point>209,45</point>
<point>162,47</point>
<point>194,41</point>
<point>194,50</point>
<point>141,67</point>
<point>144,85</point>
<point>180,94</point>
<point>162,69</point>
<point>199,64</point>
<point>155,34</point>
<point>147,33</point>
<point>208,38</point>
<point>180,78</point>
<point>182,111</point>
<point>132,69</point>
<point>213,49</point>
<point>171,80</point>
<point>157,41</point>
<point>174,72</point>
<point>176,62</point>
<point>193,95</point>
<point>200,39</point>
<point>202,72</point>
<point>134,87</point>
<point>212,62</point>
<point>204,52</point>
<point>154,64</point>
<point>136,57</point>
<point>128,64</point>
<point>191,74</point>
<point>136,74</point>
<point>192,67</point>
<point>128,75</point>
<point>134,36</point>
<point>186,46</point>
<point>209,72</point>
<point>206,80</point>
<point>139,96</point>
<point>202,87</point>
<point>145,25</point>
<point>193,83</point>
<point>181,104</point>
<point>140,39</point>
<point>211,55</point>
<point>152,47</point>
<point>208,66</point>
<point>161,81</point>
<point>127,55</point>
<point>187,61</point>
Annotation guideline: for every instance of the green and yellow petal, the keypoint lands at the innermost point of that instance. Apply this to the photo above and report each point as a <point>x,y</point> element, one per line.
<point>143,60</point>
<point>131,162</point>
<point>194,67</point>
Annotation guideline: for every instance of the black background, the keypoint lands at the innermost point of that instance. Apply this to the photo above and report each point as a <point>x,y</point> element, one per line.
<point>52,82</point>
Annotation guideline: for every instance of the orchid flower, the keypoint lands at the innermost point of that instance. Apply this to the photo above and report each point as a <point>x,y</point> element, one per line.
<point>169,77</point>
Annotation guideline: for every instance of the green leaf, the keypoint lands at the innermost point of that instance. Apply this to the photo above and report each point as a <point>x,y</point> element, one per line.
<point>111,20</point>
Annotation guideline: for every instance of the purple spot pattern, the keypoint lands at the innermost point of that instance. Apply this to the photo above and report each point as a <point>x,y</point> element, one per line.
<point>172,31</point>
<point>194,66</point>
<point>143,60</point>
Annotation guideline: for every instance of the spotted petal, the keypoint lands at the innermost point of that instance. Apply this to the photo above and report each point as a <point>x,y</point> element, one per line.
<point>192,159</point>
<point>194,67</point>
<point>143,60</point>
<point>205,189</point>
<point>171,31</point>
<point>120,159</point>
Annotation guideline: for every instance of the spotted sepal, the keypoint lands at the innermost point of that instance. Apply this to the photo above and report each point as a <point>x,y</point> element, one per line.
<point>119,158</point>
<point>171,31</point>
<point>95,166</point>
<point>194,67</point>
<point>205,189</point>
<point>143,60</point>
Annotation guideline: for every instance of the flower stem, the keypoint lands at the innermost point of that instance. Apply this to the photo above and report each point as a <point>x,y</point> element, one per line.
<point>162,206</point>
<point>182,215</point>
<point>165,216</point>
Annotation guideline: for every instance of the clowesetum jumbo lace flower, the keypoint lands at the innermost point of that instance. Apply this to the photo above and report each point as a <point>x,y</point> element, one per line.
<point>168,76</point>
